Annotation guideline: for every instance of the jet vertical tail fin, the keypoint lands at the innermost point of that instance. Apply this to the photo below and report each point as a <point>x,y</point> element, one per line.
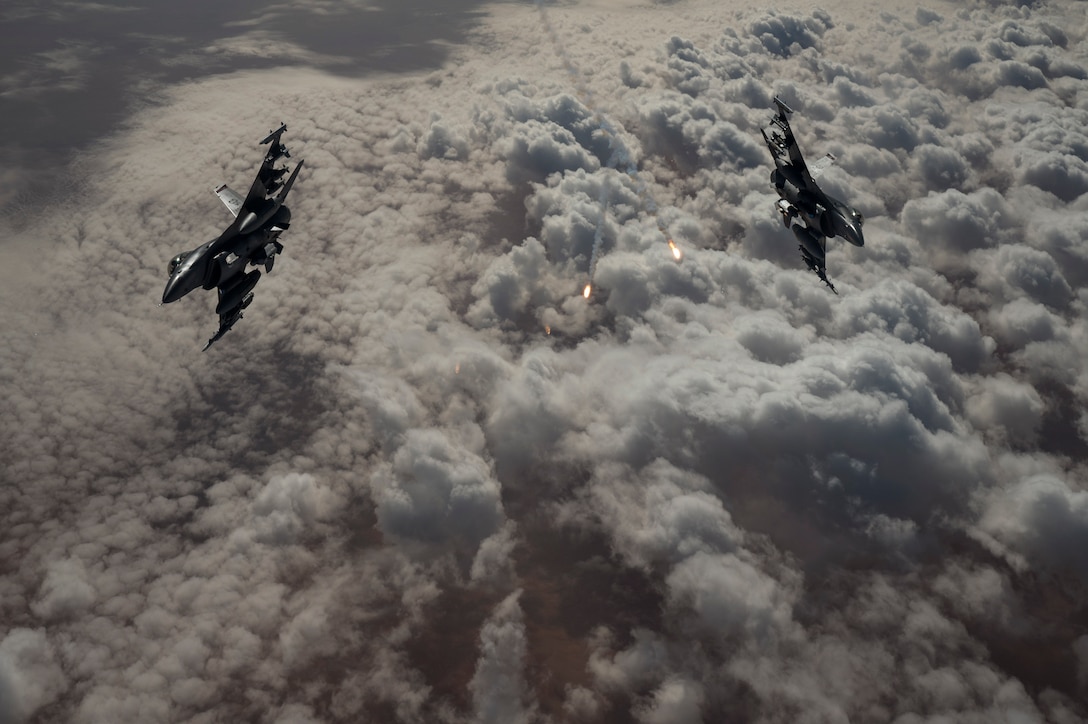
<point>230,198</point>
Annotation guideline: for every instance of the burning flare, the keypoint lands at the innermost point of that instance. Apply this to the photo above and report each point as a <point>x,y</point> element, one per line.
<point>587,290</point>
<point>676,253</point>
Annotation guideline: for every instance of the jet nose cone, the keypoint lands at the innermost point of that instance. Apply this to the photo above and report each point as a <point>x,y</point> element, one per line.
<point>854,235</point>
<point>174,291</point>
<point>847,223</point>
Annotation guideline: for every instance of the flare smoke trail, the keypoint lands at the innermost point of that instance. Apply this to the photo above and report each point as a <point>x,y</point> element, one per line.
<point>598,234</point>
<point>619,152</point>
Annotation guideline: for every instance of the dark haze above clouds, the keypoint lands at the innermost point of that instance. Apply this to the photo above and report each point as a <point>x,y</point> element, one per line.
<point>425,480</point>
<point>73,71</point>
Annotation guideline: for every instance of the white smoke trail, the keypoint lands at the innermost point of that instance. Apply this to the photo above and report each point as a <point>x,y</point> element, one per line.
<point>598,234</point>
<point>619,153</point>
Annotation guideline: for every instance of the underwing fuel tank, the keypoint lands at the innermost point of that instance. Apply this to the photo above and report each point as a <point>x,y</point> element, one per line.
<point>233,296</point>
<point>785,208</point>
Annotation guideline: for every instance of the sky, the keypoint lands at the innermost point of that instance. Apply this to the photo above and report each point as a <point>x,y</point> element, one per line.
<point>426,480</point>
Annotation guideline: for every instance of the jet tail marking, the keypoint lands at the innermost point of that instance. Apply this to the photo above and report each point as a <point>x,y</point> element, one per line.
<point>230,198</point>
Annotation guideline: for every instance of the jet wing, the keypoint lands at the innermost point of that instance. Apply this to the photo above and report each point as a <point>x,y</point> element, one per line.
<point>226,321</point>
<point>282,195</point>
<point>257,207</point>
<point>818,265</point>
<point>783,144</point>
<point>274,135</point>
<point>796,159</point>
<point>258,190</point>
<point>822,273</point>
<point>230,198</point>
<point>229,317</point>
<point>268,176</point>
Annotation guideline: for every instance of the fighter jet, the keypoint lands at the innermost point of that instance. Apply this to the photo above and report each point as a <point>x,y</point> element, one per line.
<point>252,239</point>
<point>806,210</point>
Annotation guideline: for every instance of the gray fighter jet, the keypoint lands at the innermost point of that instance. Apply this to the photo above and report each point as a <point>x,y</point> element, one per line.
<point>806,210</point>
<point>252,239</point>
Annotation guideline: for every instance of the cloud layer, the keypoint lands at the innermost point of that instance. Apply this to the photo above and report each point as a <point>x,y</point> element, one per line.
<point>426,480</point>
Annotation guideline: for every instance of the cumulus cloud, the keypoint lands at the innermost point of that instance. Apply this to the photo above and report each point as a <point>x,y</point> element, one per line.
<point>432,488</point>
<point>731,598</point>
<point>1039,517</point>
<point>30,676</point>
<point>787,34</point>
<point>1010,408</point>
<point>65,591</point>
<point>499,692</point>
<point>956,223</point>
<point>675,701</point>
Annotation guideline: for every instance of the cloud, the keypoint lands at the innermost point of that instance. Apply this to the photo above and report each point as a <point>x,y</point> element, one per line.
<point>60,69</point>
<point>732,598</point>
<point>426,480</point>
<point>675,701</point>
<point>540,149</point>
<point>65,591</point>
<point>257,45</point>
<point>686,130</point>
<point>1009,408</point>
<point>956,222</point>
<point>499,691</point>
<point>786,34</point>
<point>1039,517</point>
<point>287,505</point>
<point>30,676</point>
<point>433,488</point>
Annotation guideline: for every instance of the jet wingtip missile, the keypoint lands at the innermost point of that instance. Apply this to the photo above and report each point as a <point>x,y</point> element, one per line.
<point>825,280</point>
<point>223,329</point>
<point>216,337</point>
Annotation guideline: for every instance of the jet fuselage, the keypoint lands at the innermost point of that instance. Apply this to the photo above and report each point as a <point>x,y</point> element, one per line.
<point>819,210</point>
<point>251,238</point>
<point>215,262</point>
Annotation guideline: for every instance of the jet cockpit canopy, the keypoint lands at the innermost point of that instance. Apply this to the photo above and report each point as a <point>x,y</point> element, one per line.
<point>177,261</point>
